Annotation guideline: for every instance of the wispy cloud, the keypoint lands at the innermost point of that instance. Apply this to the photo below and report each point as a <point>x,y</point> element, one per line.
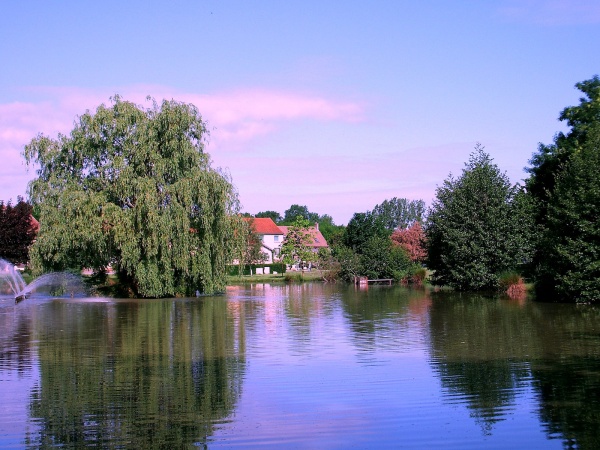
<point>342,185</point>
<point>240,114</point>
<point>235,118</point>
<point>552,12</point>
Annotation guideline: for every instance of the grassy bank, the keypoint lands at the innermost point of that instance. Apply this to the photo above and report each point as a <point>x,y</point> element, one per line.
<point>313,275</point>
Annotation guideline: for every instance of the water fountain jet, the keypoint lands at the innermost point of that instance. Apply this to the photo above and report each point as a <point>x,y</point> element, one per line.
<point>58,283</point>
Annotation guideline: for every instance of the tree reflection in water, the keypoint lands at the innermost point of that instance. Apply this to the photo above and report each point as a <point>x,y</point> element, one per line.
<point>488,350</point>
<point>160,375</point>
<point>169,373</point>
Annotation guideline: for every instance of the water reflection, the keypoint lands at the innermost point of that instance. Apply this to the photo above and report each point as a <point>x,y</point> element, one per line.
<point>153,374</point>
<point>567,374</point>
<point>307,365</point>
<point>15,338</point>
<point>489,351</point>
<point>479,349</point>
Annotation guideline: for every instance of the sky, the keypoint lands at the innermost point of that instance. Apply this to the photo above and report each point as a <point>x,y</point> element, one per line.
<point>333,105</point>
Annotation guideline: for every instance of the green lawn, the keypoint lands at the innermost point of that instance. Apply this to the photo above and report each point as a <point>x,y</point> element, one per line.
<point>313,275</point>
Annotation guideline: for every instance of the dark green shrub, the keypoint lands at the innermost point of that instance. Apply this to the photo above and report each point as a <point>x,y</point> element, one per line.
<point>507,279</point>
<point>233,270</point>
<point>291,277</point>
<point>418,276</point>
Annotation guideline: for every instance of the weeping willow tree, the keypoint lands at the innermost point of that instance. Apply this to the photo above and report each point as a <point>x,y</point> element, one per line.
<point>132,188</point>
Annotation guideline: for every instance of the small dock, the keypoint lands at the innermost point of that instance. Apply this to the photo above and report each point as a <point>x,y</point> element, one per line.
<point>381,280</point>
<point>363,281</point>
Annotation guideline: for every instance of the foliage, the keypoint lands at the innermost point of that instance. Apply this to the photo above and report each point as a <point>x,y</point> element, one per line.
<point>418,276</point>
<point>249,269</point>
<point>291,214</point>
<point>331,232</point>
<point>570,246</point>
<point>333,235</point>
<point>506,279</point>
<point>513,285</point>
<point>477,228</point>
<point>251,249</point>
<point>273,215</point>
<point>382,259</point>
<point>296,245</point>
<point>17,232</point>
<point>412,240</point>
<point>399,212</point>
<point>349,260</point>
<point>133,188</point>
<point>361,228</point>
<point>294,277</point>
<point>330,267</point>
<point>565,261</point>
<point>550,160</point>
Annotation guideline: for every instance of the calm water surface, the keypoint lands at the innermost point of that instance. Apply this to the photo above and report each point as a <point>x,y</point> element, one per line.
<point>299,366</point>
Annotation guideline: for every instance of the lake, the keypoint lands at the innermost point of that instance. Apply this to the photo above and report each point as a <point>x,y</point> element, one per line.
<point>300,366</point>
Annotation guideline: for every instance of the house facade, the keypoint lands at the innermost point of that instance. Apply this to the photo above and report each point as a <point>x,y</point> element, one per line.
<point>270,235</point>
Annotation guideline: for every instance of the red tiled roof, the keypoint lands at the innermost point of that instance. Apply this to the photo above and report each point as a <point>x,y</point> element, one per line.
<point>263,225</point>
<point>317,237</point>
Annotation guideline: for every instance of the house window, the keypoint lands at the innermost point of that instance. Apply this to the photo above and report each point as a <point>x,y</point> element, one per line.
<point>276,238</point>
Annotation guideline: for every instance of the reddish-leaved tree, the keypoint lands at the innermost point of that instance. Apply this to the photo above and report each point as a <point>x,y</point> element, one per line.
<point>17,231</point>
<point>412,239</point>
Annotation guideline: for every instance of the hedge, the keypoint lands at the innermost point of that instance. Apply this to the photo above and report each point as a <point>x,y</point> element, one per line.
<point>233,270</point>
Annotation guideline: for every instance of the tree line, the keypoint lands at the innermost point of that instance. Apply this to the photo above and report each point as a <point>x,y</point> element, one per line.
<point>132,188</point>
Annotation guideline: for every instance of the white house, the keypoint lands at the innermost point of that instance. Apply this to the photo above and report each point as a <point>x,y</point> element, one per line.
<point>271,237</point>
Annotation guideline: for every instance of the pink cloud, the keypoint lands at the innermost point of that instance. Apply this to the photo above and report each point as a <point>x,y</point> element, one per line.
<point>238,115</point>
<point>234,118</point>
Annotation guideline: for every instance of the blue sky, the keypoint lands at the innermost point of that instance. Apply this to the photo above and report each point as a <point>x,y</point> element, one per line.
<point>334,105</point>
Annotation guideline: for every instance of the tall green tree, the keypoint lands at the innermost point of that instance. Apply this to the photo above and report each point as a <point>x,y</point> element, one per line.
<point>477,227</point>
<point>331,232</point>
<point>569,263</point>
<point>294,211</point>
<point>273,215</point>
<point>17,231</point>
<point>399,212</point>
<point>361,228</point>
<point>296,245</point>
<point>550,160</point>
<point>133,188</point>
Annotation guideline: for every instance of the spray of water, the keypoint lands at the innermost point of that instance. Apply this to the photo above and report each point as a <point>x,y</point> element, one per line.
<point>54,284</point>
<point>11,277</point>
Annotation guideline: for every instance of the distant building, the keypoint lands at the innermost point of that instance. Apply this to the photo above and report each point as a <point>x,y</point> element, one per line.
<point>270,235</point>
<point>317,239</point>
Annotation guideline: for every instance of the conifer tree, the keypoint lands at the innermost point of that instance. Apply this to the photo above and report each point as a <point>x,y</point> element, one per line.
<point>478,227</point>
